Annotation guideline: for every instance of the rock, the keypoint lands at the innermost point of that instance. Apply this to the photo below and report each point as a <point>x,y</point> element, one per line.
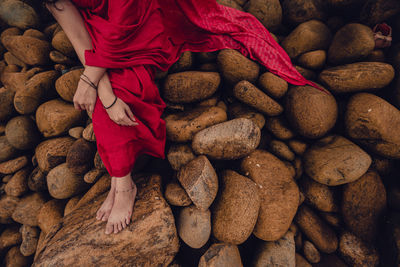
<point>279,127</point>
<point>221,254</point>
<point>176,195</point>
<point>239,110</point>
<point>311,252</point>
<point>311,112</point>
<point>37,180</point>
<point>179,154</point>
<point>67,83</point>
<point>76,132</point>
<point>273,85</point>
<point>149,240</point>
<point>55,117</point>
<point>18,184</point>
<point>299,11</point>
<point>281,150</point>
<point>230,3</point>
<point>363,205</point>
<point>80,156</point>
<point>61,42</point>
<point>13,165</point>
<point>308,36</point>
<point>278,192</point>
<point>93,175</point>
<point>355,252</point>
<point>194,226</point>
<point>88,133</point>
<point>320,196</point>
<point>219,142</point>
<point>14,258</point>
<point>200,181</point>
<point>235,67</point>
<point>190,86</point>
<point>351,43</point>
<point>313,60</point>
<point>22,133</point>
<point>7,151</point>
<point>235,212</point>
<point>278,253</point>
<point>181,127</point>
<point>10,237</point>
<point>298,146</point>
<point>59,58</point>
<point>27,209</point>
<point>374,123</point>
<point>30,237</point>
<point>50,214</point>
<point>30,50</point>
<point>334,160</point>
<point>36,89</point>
<point>361,76</point>
<point>52,152</point>
<point>6,103</point>
<point>268,12</point>
<point>321,235</point>
<point>301,262</point>
<point>330,260</point>
<point>7,207</point>
<point>62,183</point>
<point>19,14</point>
<point>35,33</point>
<point>10,59</point>
<point>378,11</point>
<point>254,97</point>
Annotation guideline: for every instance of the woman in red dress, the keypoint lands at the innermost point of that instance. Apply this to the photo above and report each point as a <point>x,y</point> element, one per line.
<point>121,43</point>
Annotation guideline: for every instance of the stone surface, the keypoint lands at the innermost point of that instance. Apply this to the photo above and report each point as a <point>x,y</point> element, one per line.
<point>194,226</point>
<point>27,209</point>
<point>235,67</point>
<point>221,254</point>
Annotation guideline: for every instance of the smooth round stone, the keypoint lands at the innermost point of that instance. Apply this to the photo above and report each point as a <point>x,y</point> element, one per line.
<point>30,237</point>
<point>19,14</point>
<point>268,12</point>
<point>18,184</point>
<point>7,207</point>
<point>27,209</point>
<point>313,60</point>
<point>50,214</point>
<point>356,252</point>
<point>232,139</point>
<point>22,133</point>
<point>235,212</point>
<point>53,152</point>
<point>311,252</point>
<point>7,151</point>
<point>67,83</point>
<point>273,85</point>
<point>176,195</point>
<point>80,156</point>
<point>238,110</point>
<point>235,67</point>
<point>6,103</point>
<point>179,154</point>
<point>30,50</point>
<point>194,226</point>
<point>221,254</point>
<point>334,160</point>
<point>299,11</point>
<point>13,165</point>
<point>278,192</point>
<point>10,237</point>
<point>61,42</point>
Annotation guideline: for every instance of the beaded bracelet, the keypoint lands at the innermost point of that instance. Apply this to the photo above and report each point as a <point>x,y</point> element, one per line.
<point>115,100</point>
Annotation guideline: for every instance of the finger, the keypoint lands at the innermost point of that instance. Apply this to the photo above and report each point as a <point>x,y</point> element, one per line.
<point>127,121</point>
<point>130,114</point>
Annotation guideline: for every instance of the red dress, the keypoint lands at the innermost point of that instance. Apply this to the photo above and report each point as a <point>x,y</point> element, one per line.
<point>131,38</point>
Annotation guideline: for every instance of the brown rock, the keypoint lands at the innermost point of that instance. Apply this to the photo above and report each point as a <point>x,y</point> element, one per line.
<point>190,86</point>
<point>278,192</point>
<point>55,117</point>
<point>181,127</point>
<point>235,67</point>
<point>299,11</point>
<point>62,183</point>
<point>66,85</point>
<point>200,181</point>
<point>221,254</point>
<point>301,262</point>
<point>273,85</point>
<point>363,205</point>
<point>30,237</point>
<point>322,236</point>
<point>93,175</point>
<point>311,252</point>
<point>179,154</point>
<point>18,184</point>
<point>374,123</point>
<point>238,110</point>
<point>10,237</point>
<point>149,240</point>
<point>19,14</point>
<point>318,195</point>
<point>334,160</point>
<point>356,253</point>
<point>176,195</point>
<point>14,258</point>
<point>254,97</point>
<point>80,156</point>
<point>194,226</point>
<point>76,132</point>
<point>88,133</point>
<point>27,209</point>
<point>313,60</point>
<point>311,112</point>
<point>184,62</point>
<point>13,165</point>
<point>30,50</point>
<point>235,212</point>
<point>6,103</point>
<point>52,152</point>
<point>230,3</point>
<point>61,42</point>
<point>50,214</point>
<point>7,207</point>
<point>278,253</point>
<point>7,151</point>
<point>22,133</point>
<point>232,139</point>
<point>268,12</point>
<point>281,150</point>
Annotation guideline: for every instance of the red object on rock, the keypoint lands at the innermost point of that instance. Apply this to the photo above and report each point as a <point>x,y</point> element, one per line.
<point>382,35</point>
<point>131,38</point>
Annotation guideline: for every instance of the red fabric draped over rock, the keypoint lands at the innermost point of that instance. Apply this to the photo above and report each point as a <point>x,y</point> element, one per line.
<point>133,37</point>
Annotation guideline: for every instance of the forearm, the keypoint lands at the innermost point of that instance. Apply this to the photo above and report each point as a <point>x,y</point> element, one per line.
<point>73,25</point>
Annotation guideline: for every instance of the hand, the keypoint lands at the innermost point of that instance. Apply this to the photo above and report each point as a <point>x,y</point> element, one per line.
<point>85,97</point>
<point>120,112</point>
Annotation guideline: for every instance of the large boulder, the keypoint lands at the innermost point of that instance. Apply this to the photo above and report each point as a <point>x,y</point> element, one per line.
<point>149,240</point>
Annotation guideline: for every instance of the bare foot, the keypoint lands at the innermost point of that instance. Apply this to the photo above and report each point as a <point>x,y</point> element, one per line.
<point>121,211</point>
<point>104,211</point>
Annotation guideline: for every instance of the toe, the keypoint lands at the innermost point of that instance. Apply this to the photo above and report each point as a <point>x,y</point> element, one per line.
<point>106,215</point>
<point>119,227</point>
<point>115,228</point>
<point>123,224</point>
<point>99,214</point>
<point>109,228</point>
<point>127,220</point>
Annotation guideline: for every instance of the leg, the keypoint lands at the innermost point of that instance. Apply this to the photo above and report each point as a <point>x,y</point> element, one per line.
<point>104,211</point>
<point>124,199</point>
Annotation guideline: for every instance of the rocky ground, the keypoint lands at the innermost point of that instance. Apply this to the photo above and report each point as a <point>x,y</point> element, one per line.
<point>258,172</point>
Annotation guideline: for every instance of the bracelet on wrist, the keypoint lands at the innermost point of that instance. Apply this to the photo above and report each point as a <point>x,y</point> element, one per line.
<point>88,81</point>
<point>115,100</point>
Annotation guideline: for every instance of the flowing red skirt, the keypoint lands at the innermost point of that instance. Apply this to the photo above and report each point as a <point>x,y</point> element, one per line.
<point>131,38</point>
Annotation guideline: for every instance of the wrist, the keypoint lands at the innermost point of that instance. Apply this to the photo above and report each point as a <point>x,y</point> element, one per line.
<point>94,73</point>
